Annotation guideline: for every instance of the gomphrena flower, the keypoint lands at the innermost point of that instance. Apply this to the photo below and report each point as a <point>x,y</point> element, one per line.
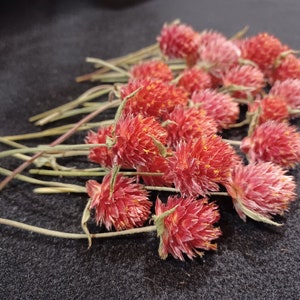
<point>288,68</point>
<point>194,79</point>
<point>273,142</point>
<point>289,90</point>
<point>185,124</point>
<point>179,41</point>
<point>271,108</point>
<point>136,140</point>
<point>246,76</point>
<point>199,165</point>
<point>155,97</point>
<point>219,106</point>
<point>126,207</point>
<point>101,155</point>
<point>153,69</point>
<point>261,190</point>
<point>188,229</point>
<point>263,49</point>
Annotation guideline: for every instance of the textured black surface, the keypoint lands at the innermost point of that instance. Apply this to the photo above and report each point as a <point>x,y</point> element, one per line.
<point>43,45</point>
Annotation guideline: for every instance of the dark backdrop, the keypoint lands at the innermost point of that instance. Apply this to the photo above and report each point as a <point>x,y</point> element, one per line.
<point>43,45</point>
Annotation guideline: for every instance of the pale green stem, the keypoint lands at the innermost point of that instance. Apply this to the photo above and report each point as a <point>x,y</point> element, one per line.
<point>161,189</point>
<point>232,142</point>
<point>294,111</point>
<point>68,235</point>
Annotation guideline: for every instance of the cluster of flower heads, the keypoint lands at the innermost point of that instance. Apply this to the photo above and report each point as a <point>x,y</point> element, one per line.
<point>170,131</point>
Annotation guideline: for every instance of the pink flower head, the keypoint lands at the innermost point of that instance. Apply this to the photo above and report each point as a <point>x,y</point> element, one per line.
<point>179,41</point>
<point>246,76</point>
<point>198,166</point>
<point>220,107</point>
<point>135,140</point>
<point>155,98</point>
<point>194,79</point>
<point>187,124</point>
<point>272,108</point>
<point>153,69</point>
<point>101,155</point>
<point>289,90</point>
<point>126,207</point>
<point>261,190</point>
<point>188,229</point>
<point>273,142</point>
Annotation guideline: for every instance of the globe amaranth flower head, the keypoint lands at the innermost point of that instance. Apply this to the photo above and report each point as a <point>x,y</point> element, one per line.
<point>188,229</point>
<point>153,69</point>
<point>179,41</point>
<point>219,106</point>
<point>261,190</point>
<point>273,142</point>
<point>198,166</point>
<point>136,140</point>
<point>126,207</point>
<point>155,97</point>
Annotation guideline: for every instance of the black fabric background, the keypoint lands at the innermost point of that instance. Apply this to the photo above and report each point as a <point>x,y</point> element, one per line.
<point>43,45</point>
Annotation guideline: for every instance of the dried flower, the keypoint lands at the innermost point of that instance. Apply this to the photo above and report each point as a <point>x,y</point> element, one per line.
<point>261,190</point>
<point>198,166</point>
<point>194,79</point>
<point>126,207</point>
<point>220,107</point>
<point>153,69</point>
<point>155,98</point>
<point>188,229</point>
<point>273,142</point>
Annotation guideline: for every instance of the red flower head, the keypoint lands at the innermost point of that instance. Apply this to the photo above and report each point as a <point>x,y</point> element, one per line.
<point>179,41</point>
<point>126,207</point>
<point>272,108</point>
<point>195,79</point>
<point>153,69</point>
<point>273,142</point>
<point>245,76</point>
<point>263,49</point>
<point>136,140</point>
<point>101,155</point>
<point>218,106</point>
<point>198,166</point>
<point>261,190</point>
<point>188,124</point>
<point>155,98</point>
<point>188,229</point>
<point>289,90</point>
<point>289,68</point>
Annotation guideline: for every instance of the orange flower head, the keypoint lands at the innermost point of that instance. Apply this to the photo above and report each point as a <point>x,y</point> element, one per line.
<point>126,207</point>
<point>188,229</point>
<point>273,142</point>
<point>261,190</point>
<point>153,69</point>
<point>220,107</point>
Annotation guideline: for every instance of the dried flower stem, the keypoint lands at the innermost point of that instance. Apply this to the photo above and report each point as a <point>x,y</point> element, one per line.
<point>232,142</point>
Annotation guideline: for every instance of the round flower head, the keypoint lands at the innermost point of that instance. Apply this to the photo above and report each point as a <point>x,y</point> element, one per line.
<point>101,155</point>
<point>136,140</point>
<point>271,108</point>
<point>186,124</point>
<point>194,79</point>
<point>263,49</point>
<point>273,142</point>
<point>289,90</point>
<point>126,207</point>
<point>179,41</point>
<point>188,228</point>
<point>153,69</point>
<point>245,76</point>
<point>198,166</point>
<point>218,106</point>
<point>288,68</point>
<point>155,97</point>
<point>261,190</point>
